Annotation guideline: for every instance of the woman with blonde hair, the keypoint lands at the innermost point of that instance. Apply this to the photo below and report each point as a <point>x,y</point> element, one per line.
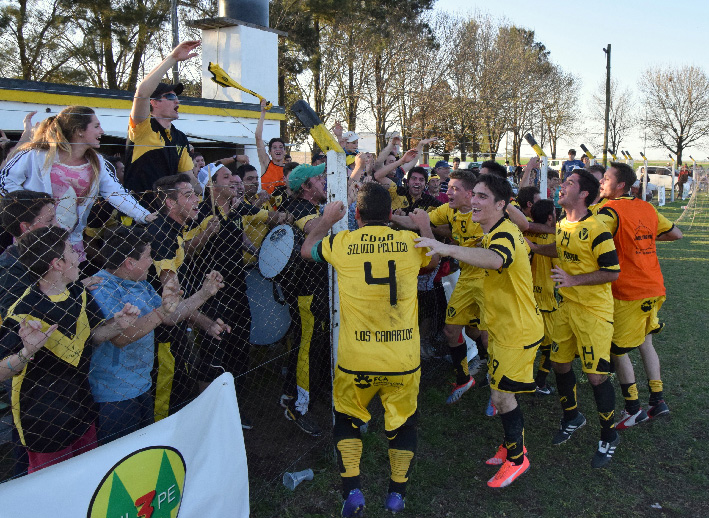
<point>61,160</point>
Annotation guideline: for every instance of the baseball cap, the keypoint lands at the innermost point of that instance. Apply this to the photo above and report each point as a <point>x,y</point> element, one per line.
<point>302,173</point>
<point>434,176</point>
<point>441,163</point>
<point>203,174</point>
<point>164,88</point>
<point>350,136</point>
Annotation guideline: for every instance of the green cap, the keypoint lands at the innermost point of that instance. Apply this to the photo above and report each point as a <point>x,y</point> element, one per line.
<point>302,173</point>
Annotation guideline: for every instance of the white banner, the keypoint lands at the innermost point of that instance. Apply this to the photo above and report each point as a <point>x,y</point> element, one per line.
<point>190,464</point>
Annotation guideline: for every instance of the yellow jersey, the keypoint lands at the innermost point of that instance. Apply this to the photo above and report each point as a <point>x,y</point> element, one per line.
<point>377,274</point>
<point>465,231</point>
<point>509,312</point>
<point>541,273</point>
<point>586,246</point>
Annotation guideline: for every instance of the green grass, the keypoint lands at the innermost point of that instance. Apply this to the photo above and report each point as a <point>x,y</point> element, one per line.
<point>659,463</point>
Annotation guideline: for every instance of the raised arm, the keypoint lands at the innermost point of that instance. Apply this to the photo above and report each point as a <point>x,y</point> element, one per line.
<point>333,213</point>
<point>263,157</point>
<point>381,174</point>
<point>419,151</point>
<point>141,101</point>
<point>527,171</point>
<point>393,143</point>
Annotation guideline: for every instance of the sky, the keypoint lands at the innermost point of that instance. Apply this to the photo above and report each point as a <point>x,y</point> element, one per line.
<point>642,34</point>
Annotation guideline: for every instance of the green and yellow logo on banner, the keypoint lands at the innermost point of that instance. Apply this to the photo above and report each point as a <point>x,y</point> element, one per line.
<point>148,483</point>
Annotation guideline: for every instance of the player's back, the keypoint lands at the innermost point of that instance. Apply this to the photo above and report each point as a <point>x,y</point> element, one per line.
<point>377,271</point>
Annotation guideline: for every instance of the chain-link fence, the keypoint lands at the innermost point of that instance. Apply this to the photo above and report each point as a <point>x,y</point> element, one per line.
<point>150,323</point>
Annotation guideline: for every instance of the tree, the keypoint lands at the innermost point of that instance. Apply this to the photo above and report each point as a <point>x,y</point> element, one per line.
<point>110,38</point>
<point>32,52</point>
<point>621,119</point>
<point>676,101</point>
<point>528,68</point>
<point>560,106</point>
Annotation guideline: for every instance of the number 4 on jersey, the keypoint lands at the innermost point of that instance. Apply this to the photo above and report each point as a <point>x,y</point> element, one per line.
<point>390,280</point>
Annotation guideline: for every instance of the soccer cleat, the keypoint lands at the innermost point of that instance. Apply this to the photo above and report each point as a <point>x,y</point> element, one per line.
<point>567,429</point>
<point>475,365</point>
<point>459,390</point>
<point>508,473</point>
<point>491,410</point>
<point>354,505</point>
<point>659,409</point>
<point>304,422</point>
<point>605,452</point>
<point>500,456</point>
<point>546,390</point>
<point>627,420</point>
<point>394,502</point>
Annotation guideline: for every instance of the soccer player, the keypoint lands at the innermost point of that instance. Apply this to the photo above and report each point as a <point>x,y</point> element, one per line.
<point>377,271</point>
<point>509,313</point>
<point>639,291</point>
<point>588,263</point>
<point>544,213</point>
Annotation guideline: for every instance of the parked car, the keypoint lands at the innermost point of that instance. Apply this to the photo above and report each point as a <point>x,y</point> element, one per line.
<point>470,165</point>
<point>660,176</point>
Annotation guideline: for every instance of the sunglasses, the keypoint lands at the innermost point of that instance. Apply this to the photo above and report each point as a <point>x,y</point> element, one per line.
<point>169,97</point>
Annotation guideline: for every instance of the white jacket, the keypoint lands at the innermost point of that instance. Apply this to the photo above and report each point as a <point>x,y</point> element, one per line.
<point>26,170</point>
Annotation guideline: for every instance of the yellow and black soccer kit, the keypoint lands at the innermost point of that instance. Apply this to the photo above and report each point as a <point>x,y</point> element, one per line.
<point>584,320</point>
<point>173,379</point>
<point>464,305</point>
<point>52,405</point>
<point>546,300</point>
<point>305,286</point>
<point>154,152</point>
<point>514,324</point>
<point>509,311</point>
<point>256,229</point>
<point>639,291</point>
<point>223,253</point>
<point>379,345</point>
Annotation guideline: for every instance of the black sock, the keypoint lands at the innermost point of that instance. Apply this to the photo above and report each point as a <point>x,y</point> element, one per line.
<point>566,385</point>
<point>656,395</point>
<point>543,370</point>
<point>459,355</point>
<point>513,424</point>
<point>630,394</point>
<point>605,403</point>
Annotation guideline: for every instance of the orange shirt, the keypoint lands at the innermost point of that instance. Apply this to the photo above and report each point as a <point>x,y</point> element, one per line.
<point>635,224</point>
<point>272,178</point>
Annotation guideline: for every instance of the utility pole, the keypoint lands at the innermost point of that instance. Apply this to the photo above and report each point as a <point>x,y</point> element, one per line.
<point>175,39</point>
<point>608,104</point>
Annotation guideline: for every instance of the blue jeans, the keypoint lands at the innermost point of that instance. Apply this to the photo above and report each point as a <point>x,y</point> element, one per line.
<point>119,418</point>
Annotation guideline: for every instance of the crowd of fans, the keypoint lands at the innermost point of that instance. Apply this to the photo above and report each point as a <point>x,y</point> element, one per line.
<point>123,293</point>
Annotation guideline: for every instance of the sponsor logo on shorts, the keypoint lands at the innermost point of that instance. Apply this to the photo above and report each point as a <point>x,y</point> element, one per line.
<point>362,381</point>
<point>646,306</point>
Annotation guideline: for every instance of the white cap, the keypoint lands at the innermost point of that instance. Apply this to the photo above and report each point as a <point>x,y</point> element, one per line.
<point>350,136</point>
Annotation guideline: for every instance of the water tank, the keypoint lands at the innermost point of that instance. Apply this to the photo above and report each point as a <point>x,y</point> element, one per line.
<point>250,11</point>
